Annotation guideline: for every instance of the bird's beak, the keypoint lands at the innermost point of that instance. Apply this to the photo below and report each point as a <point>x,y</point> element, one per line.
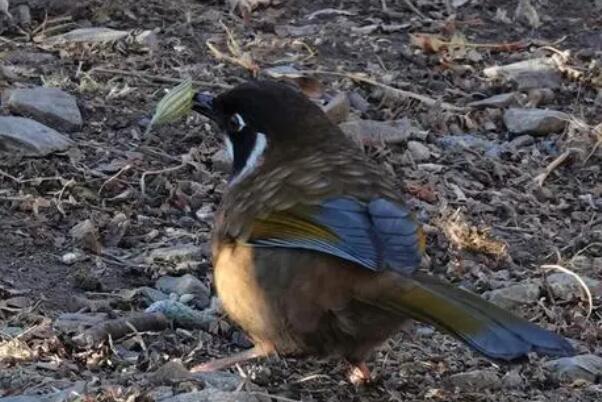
<point>203,103</point>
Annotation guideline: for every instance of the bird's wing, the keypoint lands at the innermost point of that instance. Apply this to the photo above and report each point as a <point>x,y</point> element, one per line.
<point>378,235</point>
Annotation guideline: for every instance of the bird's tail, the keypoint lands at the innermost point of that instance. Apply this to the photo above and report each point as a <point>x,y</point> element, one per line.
<point>492,331</point>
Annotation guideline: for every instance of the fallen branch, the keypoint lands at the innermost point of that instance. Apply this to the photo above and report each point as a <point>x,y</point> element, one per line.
<point>120,327</point>
<point>392,90</point>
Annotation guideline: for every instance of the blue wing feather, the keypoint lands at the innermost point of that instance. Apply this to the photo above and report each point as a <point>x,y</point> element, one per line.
<point>378,235</point>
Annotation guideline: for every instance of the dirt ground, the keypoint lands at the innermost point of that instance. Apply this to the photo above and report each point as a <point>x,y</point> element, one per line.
<point>465,196</point>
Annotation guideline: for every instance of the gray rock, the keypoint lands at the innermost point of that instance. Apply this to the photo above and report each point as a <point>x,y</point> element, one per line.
<point>513,380</point>
<point>358,102</point>
<point>187,284</point>
<point>23,14</point>
<point>221,380</point>
<point>85,233</point>
<point>183,315</point>
<point>566,287</point>
<point>586,367</point>
<point>476,380</point>
<point>213,395</point>
<point>528,74</point>
<point>221,161</point>
<point>515,295</point>
<point>51,106</point>
<point>521,141</point>
<point>460,142</point>
<point>418,151</point>
<point>27,57</point>
<point>370,132</point>
<point>174,254</point>
<point>534,121</point>
<point>70,392</point>
<point>160,393</point>
<point>170,373</point>
<point>48,5</point>
<point>12,332</point>
<point>115,230</point>
<point>499,101</point>
<point>431,167</point>
<point>30,138</point>
<point>23,398</point>
<point>338,107</point>
<point>152,295</point>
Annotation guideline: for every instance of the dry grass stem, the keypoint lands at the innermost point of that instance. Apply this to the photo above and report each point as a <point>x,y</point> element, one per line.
<point>156,78</point>
<point>541,178</point>
<point>471,238</point>
<point>588,293</point>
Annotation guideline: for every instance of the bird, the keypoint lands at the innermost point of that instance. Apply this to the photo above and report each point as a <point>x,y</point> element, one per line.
<point>315,252</point>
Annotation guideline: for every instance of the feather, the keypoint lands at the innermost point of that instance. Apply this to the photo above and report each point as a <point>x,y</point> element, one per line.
<point>378,235</point>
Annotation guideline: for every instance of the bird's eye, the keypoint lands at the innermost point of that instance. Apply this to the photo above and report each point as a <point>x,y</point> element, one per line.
<point>236,123</point>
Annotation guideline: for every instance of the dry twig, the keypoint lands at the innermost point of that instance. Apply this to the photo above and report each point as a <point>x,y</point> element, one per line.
<point>399,93</point>
<point>588,293</point>
<point>541,178</point>
<point>156,78</point>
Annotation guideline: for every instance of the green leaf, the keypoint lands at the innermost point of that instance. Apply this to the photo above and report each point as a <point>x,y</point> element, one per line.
<point>176,104</point>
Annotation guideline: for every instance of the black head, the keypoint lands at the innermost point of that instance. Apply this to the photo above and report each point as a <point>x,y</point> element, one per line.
<point>265,117</point>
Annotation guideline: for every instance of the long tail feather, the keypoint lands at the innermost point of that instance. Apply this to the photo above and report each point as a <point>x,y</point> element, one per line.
<point>492,331</point>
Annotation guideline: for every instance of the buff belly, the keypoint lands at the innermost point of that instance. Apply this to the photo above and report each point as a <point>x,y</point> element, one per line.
<point>300,302</point>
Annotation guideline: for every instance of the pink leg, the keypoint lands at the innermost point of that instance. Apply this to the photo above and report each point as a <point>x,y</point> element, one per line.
<point>359,374</point>
<point>220,364</point>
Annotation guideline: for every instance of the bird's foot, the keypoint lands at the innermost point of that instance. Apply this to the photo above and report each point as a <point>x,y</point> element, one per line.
<point>359,374</point>
<point>220,364</point>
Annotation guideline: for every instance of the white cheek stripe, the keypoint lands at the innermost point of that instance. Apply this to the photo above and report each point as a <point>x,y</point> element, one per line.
<point>229,148</point>
<point>241,122</point>
<point>261,144</point>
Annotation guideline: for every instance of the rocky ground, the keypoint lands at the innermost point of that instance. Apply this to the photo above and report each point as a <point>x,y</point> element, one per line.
<point>489,112</point>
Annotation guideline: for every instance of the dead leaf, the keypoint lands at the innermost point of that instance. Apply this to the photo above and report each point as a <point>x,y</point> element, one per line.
<point>429,43</point>
<point>458,45</point>
<point>14,350</point>
<point>422,192</point>
<point>86,233</point>
<point>465,236</point>
<point>34,204</point>
<point>311,87</point>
